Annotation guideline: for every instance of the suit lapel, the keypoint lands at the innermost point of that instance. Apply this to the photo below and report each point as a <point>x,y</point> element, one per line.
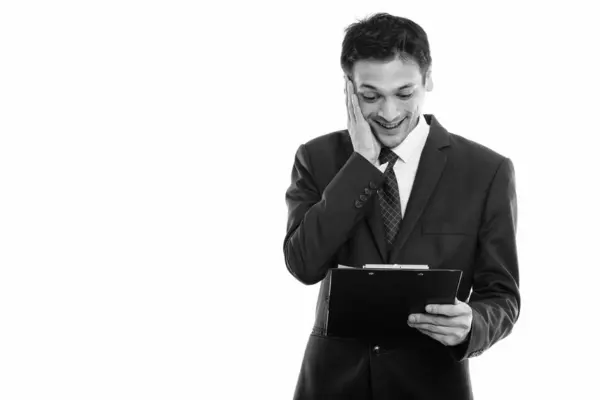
<point>375,222</point>
<point>429,171</point>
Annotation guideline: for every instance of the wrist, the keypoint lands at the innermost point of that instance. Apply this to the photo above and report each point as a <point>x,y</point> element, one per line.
<point>369,157</point>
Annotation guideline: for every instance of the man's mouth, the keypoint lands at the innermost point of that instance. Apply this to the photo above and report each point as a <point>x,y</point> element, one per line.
<point>388,126</point>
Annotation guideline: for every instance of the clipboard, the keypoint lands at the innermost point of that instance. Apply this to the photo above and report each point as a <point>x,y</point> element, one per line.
<point>377,302</point>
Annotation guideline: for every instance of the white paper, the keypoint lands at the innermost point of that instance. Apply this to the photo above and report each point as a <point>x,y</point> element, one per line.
<point>396,266</point>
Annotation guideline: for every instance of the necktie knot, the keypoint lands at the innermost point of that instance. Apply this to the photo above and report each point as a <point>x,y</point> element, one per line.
<point>387,155</point>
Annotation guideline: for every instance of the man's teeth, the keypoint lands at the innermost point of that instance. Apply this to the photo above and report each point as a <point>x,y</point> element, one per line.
<point>386,126</point>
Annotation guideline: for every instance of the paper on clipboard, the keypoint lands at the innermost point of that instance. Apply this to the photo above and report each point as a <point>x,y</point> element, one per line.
<point>387,266</point>
<point>395,266</point>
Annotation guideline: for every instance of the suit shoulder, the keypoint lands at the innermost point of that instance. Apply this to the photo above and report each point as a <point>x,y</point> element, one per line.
<point>330,140</point>
<point>476,152</point>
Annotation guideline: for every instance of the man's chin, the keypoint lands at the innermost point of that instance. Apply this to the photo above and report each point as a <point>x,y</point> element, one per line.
<point>390,139</point>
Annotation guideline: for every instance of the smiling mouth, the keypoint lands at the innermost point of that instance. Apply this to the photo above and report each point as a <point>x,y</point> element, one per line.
<point>389,126</point>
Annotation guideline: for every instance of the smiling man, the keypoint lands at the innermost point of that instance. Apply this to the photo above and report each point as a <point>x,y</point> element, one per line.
<point>396,187</point>
<point>391,94</point>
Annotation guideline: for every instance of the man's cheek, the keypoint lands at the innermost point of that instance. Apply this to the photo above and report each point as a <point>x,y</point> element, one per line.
<point>412,107</point>
<point>414,114</point>
<point>367,111</point>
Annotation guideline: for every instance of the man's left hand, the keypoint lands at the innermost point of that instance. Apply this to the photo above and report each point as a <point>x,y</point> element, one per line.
<point>449,324</point>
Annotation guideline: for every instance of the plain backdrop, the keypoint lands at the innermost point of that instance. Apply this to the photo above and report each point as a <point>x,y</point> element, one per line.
<point>145,150</point>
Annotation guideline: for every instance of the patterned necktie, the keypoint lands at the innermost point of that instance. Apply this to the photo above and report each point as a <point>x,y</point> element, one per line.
<point>389,197</point>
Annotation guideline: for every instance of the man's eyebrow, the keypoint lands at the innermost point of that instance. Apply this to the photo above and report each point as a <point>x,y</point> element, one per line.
<point>366,85</point>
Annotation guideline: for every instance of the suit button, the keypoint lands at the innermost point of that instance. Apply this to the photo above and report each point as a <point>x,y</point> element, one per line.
<point>376,349</point>
<point>367,191</point>
<point>372,185</point>
<point>358,204</point>
<point>363,197</point>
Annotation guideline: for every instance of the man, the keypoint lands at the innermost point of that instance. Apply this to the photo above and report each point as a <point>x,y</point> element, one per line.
<point>397,188</point>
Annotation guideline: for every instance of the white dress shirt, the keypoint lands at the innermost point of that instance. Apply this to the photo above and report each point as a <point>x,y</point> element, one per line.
<point>409,153</point>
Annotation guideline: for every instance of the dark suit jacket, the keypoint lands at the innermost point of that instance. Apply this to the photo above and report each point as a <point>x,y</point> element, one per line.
<point>461,214</point>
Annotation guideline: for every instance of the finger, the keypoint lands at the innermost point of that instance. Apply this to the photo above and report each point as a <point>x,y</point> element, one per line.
<point>450,310</point>
<point>453,324</point>
<point>450,337</point>
<point>349,108</point>
<point>358,117</point>
<point>444,323</point>
<point>442,330</point>
<point>452,331</point>
<point>353,101</point>
<point>439,320</point>
<point>348,119</point>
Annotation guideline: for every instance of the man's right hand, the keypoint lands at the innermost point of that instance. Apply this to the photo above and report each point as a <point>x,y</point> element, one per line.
<point>363,139</point>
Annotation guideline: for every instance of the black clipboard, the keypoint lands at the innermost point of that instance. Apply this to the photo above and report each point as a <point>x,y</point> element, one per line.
<point>377,302</point>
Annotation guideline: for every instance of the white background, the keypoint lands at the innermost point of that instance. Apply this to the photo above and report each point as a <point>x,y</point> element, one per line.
<point>145,149</point>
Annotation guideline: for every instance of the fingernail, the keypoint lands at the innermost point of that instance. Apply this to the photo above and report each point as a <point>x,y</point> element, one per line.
<point>412,318</point>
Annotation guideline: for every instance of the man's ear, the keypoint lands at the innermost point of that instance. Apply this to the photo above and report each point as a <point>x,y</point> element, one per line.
<point>428,81</point>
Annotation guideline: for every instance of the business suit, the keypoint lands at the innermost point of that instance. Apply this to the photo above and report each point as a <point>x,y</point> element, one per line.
<point>461,215</point>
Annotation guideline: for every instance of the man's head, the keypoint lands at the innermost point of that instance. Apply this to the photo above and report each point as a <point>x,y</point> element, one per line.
<point>387,58</point>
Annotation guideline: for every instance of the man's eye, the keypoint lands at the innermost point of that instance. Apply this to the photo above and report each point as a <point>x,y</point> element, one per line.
<point>405,96</point>
<point>369,97</point>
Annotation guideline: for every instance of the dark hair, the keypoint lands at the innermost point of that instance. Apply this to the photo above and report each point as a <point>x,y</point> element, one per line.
<point>385,37</point>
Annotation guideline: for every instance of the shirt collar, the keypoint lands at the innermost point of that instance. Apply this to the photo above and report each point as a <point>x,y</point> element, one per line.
<point>413,144</point>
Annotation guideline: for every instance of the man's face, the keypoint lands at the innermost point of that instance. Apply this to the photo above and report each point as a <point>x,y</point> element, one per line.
<point>391,95</point>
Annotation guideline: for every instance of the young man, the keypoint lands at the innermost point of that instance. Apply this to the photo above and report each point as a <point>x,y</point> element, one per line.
<point>397,188</point>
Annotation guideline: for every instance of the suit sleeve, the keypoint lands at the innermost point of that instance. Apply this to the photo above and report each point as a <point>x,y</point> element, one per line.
<point>495,298</point>
<point>319,223</point>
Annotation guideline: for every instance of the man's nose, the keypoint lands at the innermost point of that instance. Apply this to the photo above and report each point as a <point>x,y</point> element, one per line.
<point>389,110</point>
